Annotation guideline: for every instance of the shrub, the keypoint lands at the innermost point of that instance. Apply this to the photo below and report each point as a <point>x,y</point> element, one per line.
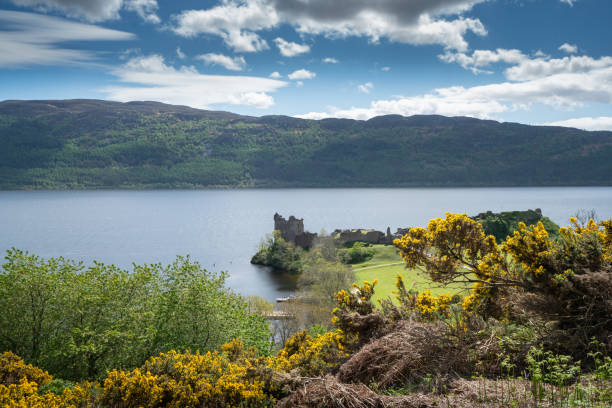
<point>424,306</point>
<point>13,370</point>
<point>311,355</point>
<point>359,252</point>
<point>528,276</point>
<point>185,379</point>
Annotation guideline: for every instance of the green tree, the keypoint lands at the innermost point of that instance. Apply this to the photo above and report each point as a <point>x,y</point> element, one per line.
<point>196,311</point>
<point>78,322</point>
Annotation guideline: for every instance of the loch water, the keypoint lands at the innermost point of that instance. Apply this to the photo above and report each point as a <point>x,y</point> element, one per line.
<point>222,229</point>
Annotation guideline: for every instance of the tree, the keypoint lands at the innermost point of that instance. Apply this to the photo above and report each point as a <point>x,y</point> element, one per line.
<point>196,311</point>
<point>322,279</point>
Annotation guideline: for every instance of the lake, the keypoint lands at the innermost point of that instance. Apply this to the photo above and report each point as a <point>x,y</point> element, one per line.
<point>223,228</point>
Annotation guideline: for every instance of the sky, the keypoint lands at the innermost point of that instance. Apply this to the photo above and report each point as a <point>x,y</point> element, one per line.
<point>527,61</point>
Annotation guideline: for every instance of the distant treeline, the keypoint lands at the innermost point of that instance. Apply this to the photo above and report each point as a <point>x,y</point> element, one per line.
<point>98,144</point>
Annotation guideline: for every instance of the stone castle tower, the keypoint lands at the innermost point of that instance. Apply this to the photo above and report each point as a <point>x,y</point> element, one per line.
<point>289,229</point>
<point>292,230</point>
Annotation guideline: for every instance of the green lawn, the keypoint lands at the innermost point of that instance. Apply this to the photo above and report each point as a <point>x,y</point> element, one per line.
<point>386,265</point>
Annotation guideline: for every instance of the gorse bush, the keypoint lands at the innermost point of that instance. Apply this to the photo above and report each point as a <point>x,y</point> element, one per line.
<point>529,276</point>
<point>25,386</point>
<point>311,355</point>
<point>424,305</point>
<point>185,380</point>
<point>13,370</point>
<point>79,322</point>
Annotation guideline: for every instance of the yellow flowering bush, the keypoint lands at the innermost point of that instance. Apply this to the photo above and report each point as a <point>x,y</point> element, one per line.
<point>532,249</point>
<point>570,275</point>
<point>424,305</point>
<point>185,379</point>
<point>13,370</point>
<point>25,395</point>
<point>311,355</point>
<point>20,385</point>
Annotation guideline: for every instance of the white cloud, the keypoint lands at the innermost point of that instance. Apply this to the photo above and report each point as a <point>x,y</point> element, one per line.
<point>385,69</point>
<point>529,69</point>
<point>291,49</point>
<point>95,10</point>
<point>330,60</point>
<point>365,88</point>
<point>145,9</point>
<point>150,78</point>
<point>233,64</point>
<point>570,2</point>
<point>299,84</point>
<point>483,58</point>
<point>276,75</point>
<point>411,22</point>
<point>302,74</point>
<point>180,53</point>
<point>425,31</point>
<point>587,123</point>
<point>235,22</point>
<point>569,48</point>
<point>562,90</point>
<point>34,39</point>
<point>525,68</point>
<point>257,99</point>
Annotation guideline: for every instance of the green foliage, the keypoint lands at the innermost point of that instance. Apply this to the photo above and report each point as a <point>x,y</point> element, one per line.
<point>544,367</point>
<point>281,255</point>
<point>56,386</point>
<point>359,252</point>
<point>602,361</point>
<point>97,144</point>
<point>504,224</point>
<point>78,322</point>
<point>322,279</point>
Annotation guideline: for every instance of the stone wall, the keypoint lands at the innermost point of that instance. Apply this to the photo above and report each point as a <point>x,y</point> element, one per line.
<point>361,235</point>
<point>292,230</point>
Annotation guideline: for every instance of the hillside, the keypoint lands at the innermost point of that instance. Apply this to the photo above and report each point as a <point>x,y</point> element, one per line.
<point>100,144</point>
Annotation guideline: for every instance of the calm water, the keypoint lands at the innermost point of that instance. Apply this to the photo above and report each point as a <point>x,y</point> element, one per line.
<point>222,228</point>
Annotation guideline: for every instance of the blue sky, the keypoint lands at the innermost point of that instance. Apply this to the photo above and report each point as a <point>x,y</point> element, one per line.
<point>529,61</point>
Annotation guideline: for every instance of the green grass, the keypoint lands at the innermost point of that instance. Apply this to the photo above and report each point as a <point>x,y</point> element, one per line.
<point>386,265</point>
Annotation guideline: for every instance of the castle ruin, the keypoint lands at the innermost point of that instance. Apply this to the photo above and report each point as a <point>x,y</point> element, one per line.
<point>292,230</point>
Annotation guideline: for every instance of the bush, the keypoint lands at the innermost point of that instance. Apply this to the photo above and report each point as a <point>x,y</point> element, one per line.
<point>25,386</point>
<point>185,379</point>
<point>359,252</point>
<point>13,370</point>
<point>529,277</point>
<point>311,355</point>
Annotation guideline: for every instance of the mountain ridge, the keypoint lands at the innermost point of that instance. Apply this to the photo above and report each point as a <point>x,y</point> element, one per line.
<point>85,143</point>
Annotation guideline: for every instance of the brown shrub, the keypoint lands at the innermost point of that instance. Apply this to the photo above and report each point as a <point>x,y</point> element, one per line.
<point>329,392</point>
<point>409,352</point>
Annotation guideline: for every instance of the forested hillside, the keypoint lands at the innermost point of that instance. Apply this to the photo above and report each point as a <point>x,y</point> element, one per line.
<point>99,144</point>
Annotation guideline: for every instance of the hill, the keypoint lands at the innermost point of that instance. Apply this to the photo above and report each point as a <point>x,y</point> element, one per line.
<point>101,144</point>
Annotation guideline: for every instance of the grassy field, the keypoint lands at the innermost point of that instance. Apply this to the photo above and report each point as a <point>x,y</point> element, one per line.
<point>386,265</point>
